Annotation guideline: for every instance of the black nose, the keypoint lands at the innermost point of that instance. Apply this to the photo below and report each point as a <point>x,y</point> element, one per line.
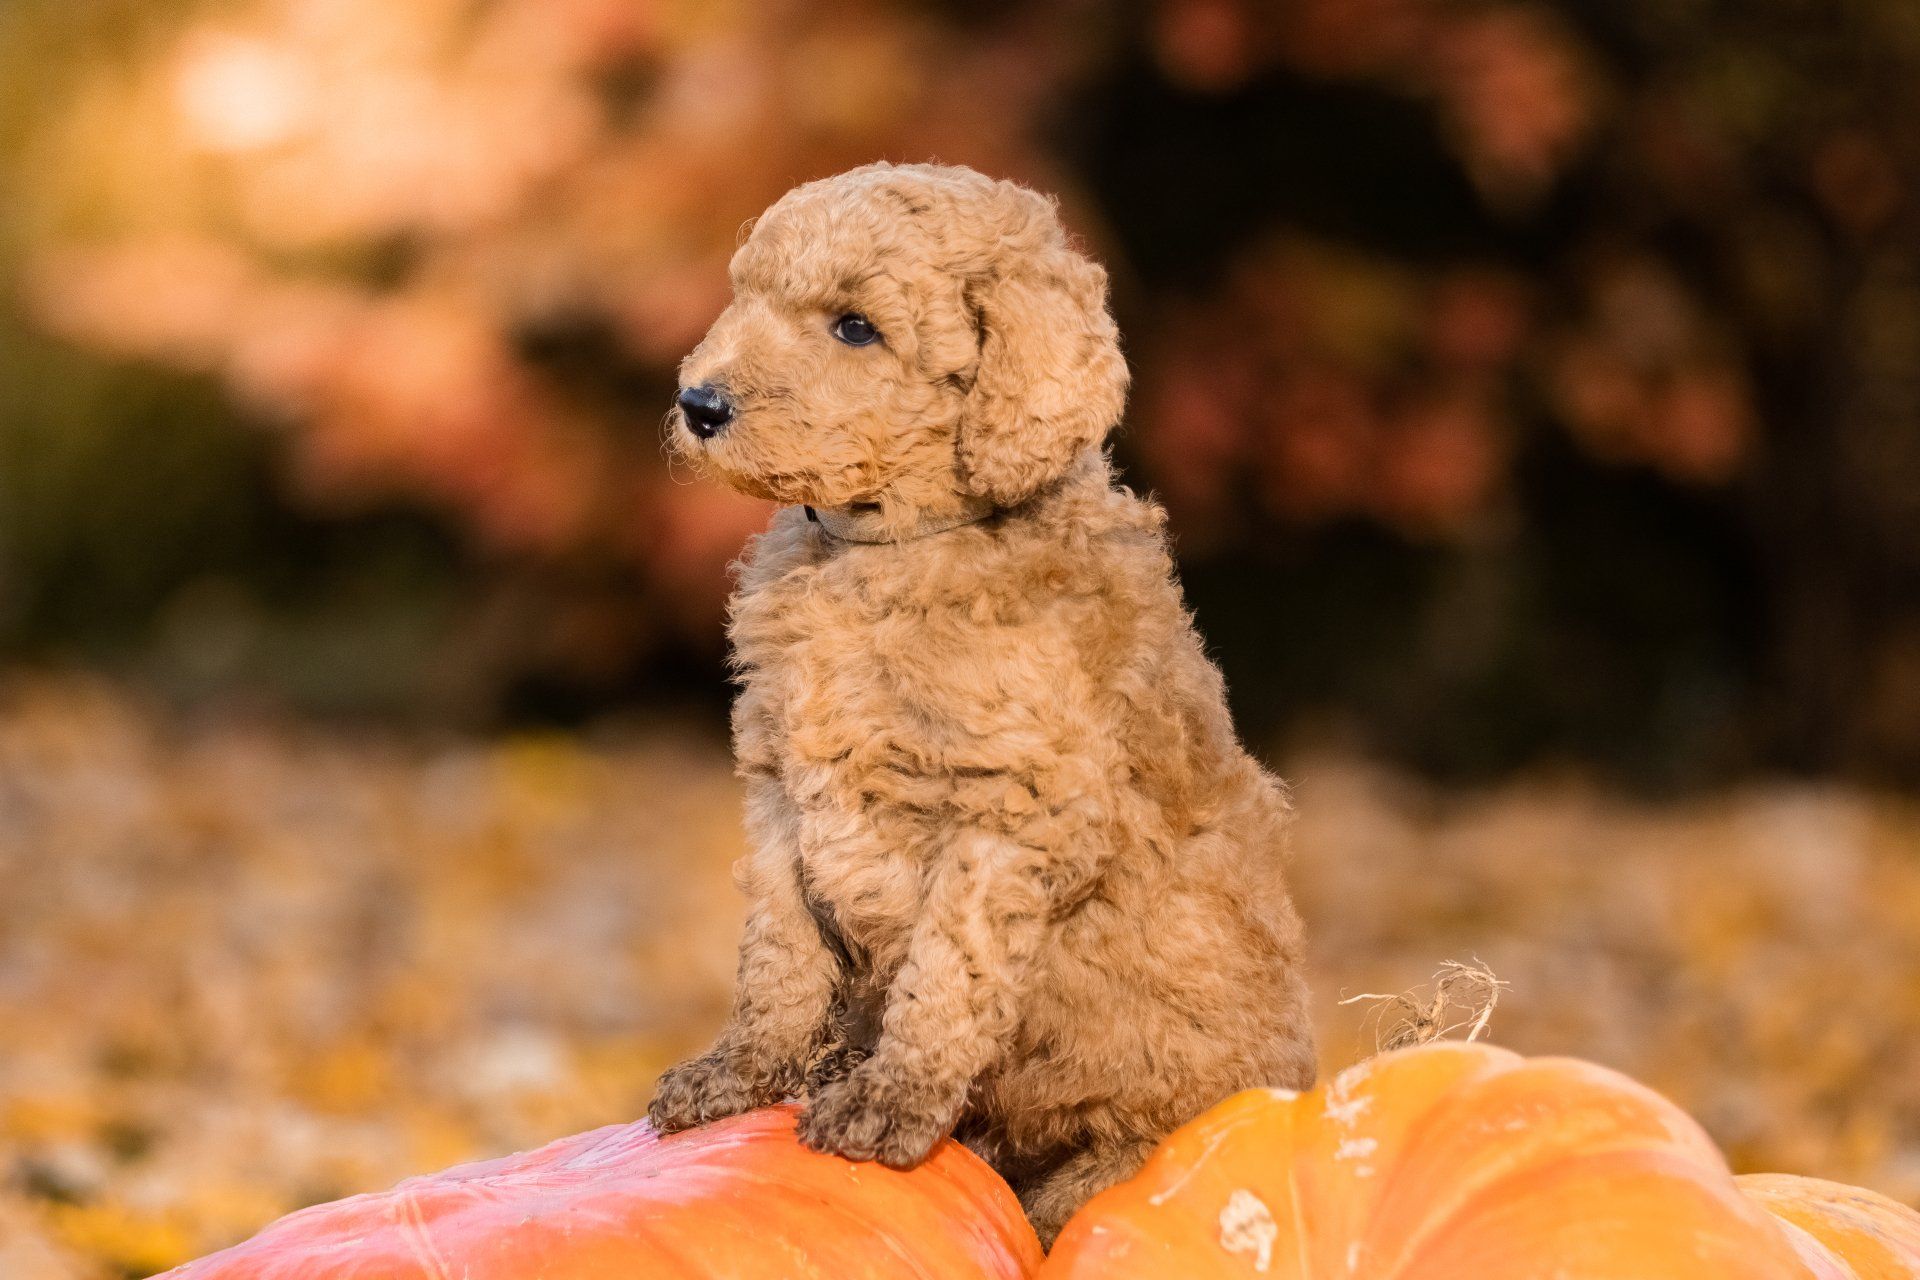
<point>707,410</point>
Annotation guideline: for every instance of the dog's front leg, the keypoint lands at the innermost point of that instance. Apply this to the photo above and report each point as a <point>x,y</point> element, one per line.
<point>949,1011</point>
<point>782,1003</point>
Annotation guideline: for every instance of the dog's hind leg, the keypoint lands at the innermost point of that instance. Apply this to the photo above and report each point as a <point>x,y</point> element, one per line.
<point>1050,1198</point>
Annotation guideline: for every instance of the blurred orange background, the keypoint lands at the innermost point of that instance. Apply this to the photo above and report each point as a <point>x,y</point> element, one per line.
<point>1534,386</point>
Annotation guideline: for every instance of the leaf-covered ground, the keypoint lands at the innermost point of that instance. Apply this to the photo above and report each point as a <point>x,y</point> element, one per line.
<point>248,966</point>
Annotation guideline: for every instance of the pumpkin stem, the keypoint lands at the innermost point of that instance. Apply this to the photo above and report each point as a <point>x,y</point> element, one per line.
<point>1463,999</point>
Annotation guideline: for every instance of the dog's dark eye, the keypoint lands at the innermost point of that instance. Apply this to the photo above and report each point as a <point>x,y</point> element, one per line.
<point>854,330</point>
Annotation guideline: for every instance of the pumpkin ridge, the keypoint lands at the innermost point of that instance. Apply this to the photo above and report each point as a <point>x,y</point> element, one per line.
<point>792,1178</point>
<point>1299,1210</point>
<point>656,1242</point>
<point>1822,1261</point>
<point>404,1212</point>
<point>1492,1062</point>
<point>1167,1154</point>
<point>1682,1127</point>
<point>800,1188</point>
<point>984,1222</point>
<point>1678,1132</point>
<point>942,1170</point>
<point>1720,1191</point>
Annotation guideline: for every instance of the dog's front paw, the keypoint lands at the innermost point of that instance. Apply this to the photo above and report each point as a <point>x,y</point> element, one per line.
<point>702,1090</point>
<point>832,1064</point>
<point>869,1116</point>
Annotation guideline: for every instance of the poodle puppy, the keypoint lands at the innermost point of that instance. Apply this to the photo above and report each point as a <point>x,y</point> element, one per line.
<point>1013,877</point>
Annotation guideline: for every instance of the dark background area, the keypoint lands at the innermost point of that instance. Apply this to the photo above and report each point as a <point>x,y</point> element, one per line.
<point>1527,381</point>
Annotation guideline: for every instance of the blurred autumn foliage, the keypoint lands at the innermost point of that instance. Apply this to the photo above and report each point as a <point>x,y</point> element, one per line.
<point>1524,378</point>
<point>274,964</point>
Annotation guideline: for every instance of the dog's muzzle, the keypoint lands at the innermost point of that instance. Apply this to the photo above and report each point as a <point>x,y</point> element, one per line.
<point>707,409</point>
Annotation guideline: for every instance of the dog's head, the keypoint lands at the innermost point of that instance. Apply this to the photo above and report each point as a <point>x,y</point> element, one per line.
<point>912,337</point>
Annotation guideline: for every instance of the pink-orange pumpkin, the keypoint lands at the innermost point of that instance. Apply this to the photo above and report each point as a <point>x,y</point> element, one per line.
<point>1465,1162</point>
<point>740,1199</point>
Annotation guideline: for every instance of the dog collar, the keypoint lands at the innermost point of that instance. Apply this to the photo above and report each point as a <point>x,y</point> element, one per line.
<point>864,525</point>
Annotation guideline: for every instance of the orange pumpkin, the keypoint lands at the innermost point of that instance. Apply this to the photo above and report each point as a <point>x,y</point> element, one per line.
<point>741,1199</point>
<point>1868,1236</point>
<point>1460,1161</point>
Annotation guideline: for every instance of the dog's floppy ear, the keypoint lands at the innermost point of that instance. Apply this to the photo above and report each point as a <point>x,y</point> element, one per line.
<point>1051,379</point>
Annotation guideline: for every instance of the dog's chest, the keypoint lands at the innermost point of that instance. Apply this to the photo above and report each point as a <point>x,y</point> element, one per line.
<point>831,677</point>
<point>832,707</point>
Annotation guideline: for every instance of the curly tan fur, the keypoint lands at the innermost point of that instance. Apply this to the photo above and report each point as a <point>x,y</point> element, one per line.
<point>1013,876</point>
